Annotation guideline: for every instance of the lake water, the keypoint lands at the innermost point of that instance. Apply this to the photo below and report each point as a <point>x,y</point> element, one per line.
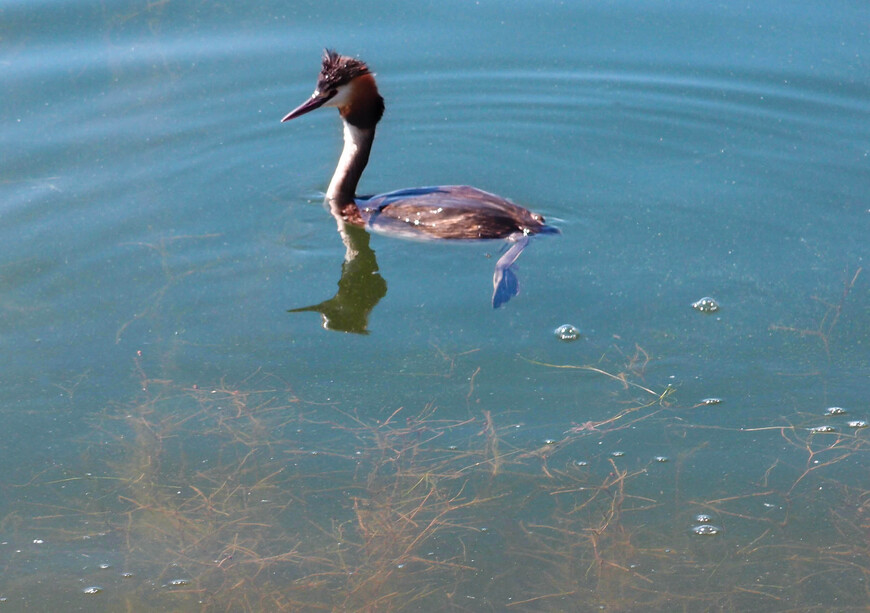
<point>178,440</point>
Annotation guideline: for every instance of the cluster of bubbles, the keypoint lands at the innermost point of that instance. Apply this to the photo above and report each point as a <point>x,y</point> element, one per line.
<point>93,590</point>
<point>706,305</point>
<point>567,333</point>
<point>855,424</point>
<point>704,526</point>
<point>661,459</point>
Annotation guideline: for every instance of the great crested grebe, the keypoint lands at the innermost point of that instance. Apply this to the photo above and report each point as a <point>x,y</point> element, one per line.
<point>457,212</point>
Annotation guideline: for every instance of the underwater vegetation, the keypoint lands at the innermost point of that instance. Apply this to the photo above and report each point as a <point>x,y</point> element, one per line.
<point>245,497</point>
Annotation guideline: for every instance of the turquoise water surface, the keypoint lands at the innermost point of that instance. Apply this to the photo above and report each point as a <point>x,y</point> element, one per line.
<point>177,440</point>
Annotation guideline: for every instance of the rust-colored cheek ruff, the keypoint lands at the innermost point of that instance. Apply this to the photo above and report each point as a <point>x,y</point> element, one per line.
<point>366,106</point>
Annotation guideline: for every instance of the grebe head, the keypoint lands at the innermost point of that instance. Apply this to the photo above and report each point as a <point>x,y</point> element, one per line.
<point>346,83</point>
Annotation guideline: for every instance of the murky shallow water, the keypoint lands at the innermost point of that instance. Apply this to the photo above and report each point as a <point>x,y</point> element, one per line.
<point>176,438</point>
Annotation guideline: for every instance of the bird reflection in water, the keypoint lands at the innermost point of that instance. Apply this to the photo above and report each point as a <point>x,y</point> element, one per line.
<point>360,287</point>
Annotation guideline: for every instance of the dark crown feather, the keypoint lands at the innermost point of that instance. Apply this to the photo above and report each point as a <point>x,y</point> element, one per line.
<point>339,70</point>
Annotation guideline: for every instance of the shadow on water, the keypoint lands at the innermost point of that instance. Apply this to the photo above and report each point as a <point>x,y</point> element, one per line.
<point>246,497</point>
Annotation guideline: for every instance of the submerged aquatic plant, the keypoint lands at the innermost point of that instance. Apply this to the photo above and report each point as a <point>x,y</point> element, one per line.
<point>245,497</point>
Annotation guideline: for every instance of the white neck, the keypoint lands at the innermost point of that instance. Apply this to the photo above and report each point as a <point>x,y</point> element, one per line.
<point>353,160</point>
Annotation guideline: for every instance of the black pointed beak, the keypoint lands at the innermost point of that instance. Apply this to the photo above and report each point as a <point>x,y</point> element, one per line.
<point>314,102</point>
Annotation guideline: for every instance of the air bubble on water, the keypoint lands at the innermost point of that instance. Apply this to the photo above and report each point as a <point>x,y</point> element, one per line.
<point>703,518</point>
<point>567,333</point>
<point>618,454</point>
<point>581,463</point>
<point>178,582</point>
<point>104,566</point>
<point>857,423</point>
<point>711,400</point>
<point>91,590</point>
<point>661,458</point>
<point>835,411</point>
<point>706,305</point>
<point>706,530</point>
<point>549,441</point>
<point>819,429</point>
